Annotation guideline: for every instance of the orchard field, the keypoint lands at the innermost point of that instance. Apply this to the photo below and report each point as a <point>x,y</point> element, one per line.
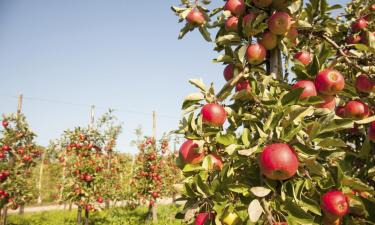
<point>289,139</point>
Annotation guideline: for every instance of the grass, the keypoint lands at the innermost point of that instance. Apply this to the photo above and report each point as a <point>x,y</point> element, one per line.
<point>114,216</point>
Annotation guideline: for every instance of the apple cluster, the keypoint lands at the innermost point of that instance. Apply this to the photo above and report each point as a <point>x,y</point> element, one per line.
<point>291,129</point>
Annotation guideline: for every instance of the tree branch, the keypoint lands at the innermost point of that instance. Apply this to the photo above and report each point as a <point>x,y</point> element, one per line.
<point>270,218</point>
<point>230,85</point>
<point>347,60</point>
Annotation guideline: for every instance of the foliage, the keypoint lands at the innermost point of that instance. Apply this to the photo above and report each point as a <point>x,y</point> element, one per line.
<point>334,151</point>
<point>18,156</point>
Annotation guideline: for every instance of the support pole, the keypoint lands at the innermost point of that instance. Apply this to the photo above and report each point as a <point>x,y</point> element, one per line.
<point>154,207</point>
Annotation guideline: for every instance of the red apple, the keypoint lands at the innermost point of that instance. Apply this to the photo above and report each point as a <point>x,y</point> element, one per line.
<point>262,3</point>
<point>329,82</point>
<point>100,200</point>
<point>2,155</point>
<point>213,114</point>
<point>353,39</point>
<point>364,84</point>
<point>236,7</point>
<point>6,148</point>
<point>88,178</point>
<point>189,152</point>
<point>308,88</point>
<point>231,24</point>
<point>371,132</point>
<point>202,218</point>
<point>249,18</point>
<point>372,7</point>
<point>195,17</point>
<point>256,54</point>
<point>5,123</point>
<point>329,102</point>
<point>229,72</point>
<point>303,57</point>
<point>152,202</point>
<point>278,161</point>
<point>279,23</point>
<point>292,35</point>
<point>216,162</point>
<point>356,109</point>
<point>88,207</point>
<point>246,24</point>
<point>243,85</point>
<point>334,203</point>
<point>359,25</point>
<point>155,194</point>
<point>27,158</point>
<point>269,40</point>
<point>340,111</point>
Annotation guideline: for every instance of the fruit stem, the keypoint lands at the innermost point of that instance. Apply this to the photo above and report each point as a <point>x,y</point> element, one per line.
<point>347,60</point>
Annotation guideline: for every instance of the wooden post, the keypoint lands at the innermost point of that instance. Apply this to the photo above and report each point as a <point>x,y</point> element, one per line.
<point>39,201</point>
<point>19,107</point>
<point>19,110</point>
<point>92,116</point>
<point>79,215</point>
<point>154,207</point>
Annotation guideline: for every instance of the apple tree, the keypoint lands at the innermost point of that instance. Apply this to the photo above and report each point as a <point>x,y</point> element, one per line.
<point>83,162</point>
<point>18,156</point>
<point>154,172</point>
<point>294,143</point>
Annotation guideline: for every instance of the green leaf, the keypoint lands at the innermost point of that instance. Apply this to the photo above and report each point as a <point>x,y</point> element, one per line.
<point>245,137</point>
<point>226,139</point>
<point>292,97</point>
<point>192,99</point>
<point>294,210</point>
<point>199,84</point>
<point>315,168</point>
<point>239,188</point>
<point>332,142</point>
<point>202,186</point>
<point>311,205</point>
<point>260,191</point>
<point>206,35</point>
<point>336,125</point>
<point>192,167</point>
<point>355,183</point>
<point>255,210</point>
<point>366,121</point>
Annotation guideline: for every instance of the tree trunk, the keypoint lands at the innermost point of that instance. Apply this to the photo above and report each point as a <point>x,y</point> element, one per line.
<point>79,215</point>
<point>70,206</point>
<point>275,64</point>
<point>86,217</point>
<point>155,214</point>
<point>5,212</point>
<point>40,180</point>
<point>107,203</point>
<point>22,209</point>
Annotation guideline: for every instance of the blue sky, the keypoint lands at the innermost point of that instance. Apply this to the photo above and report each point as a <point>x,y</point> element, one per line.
<point>114,54</point>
